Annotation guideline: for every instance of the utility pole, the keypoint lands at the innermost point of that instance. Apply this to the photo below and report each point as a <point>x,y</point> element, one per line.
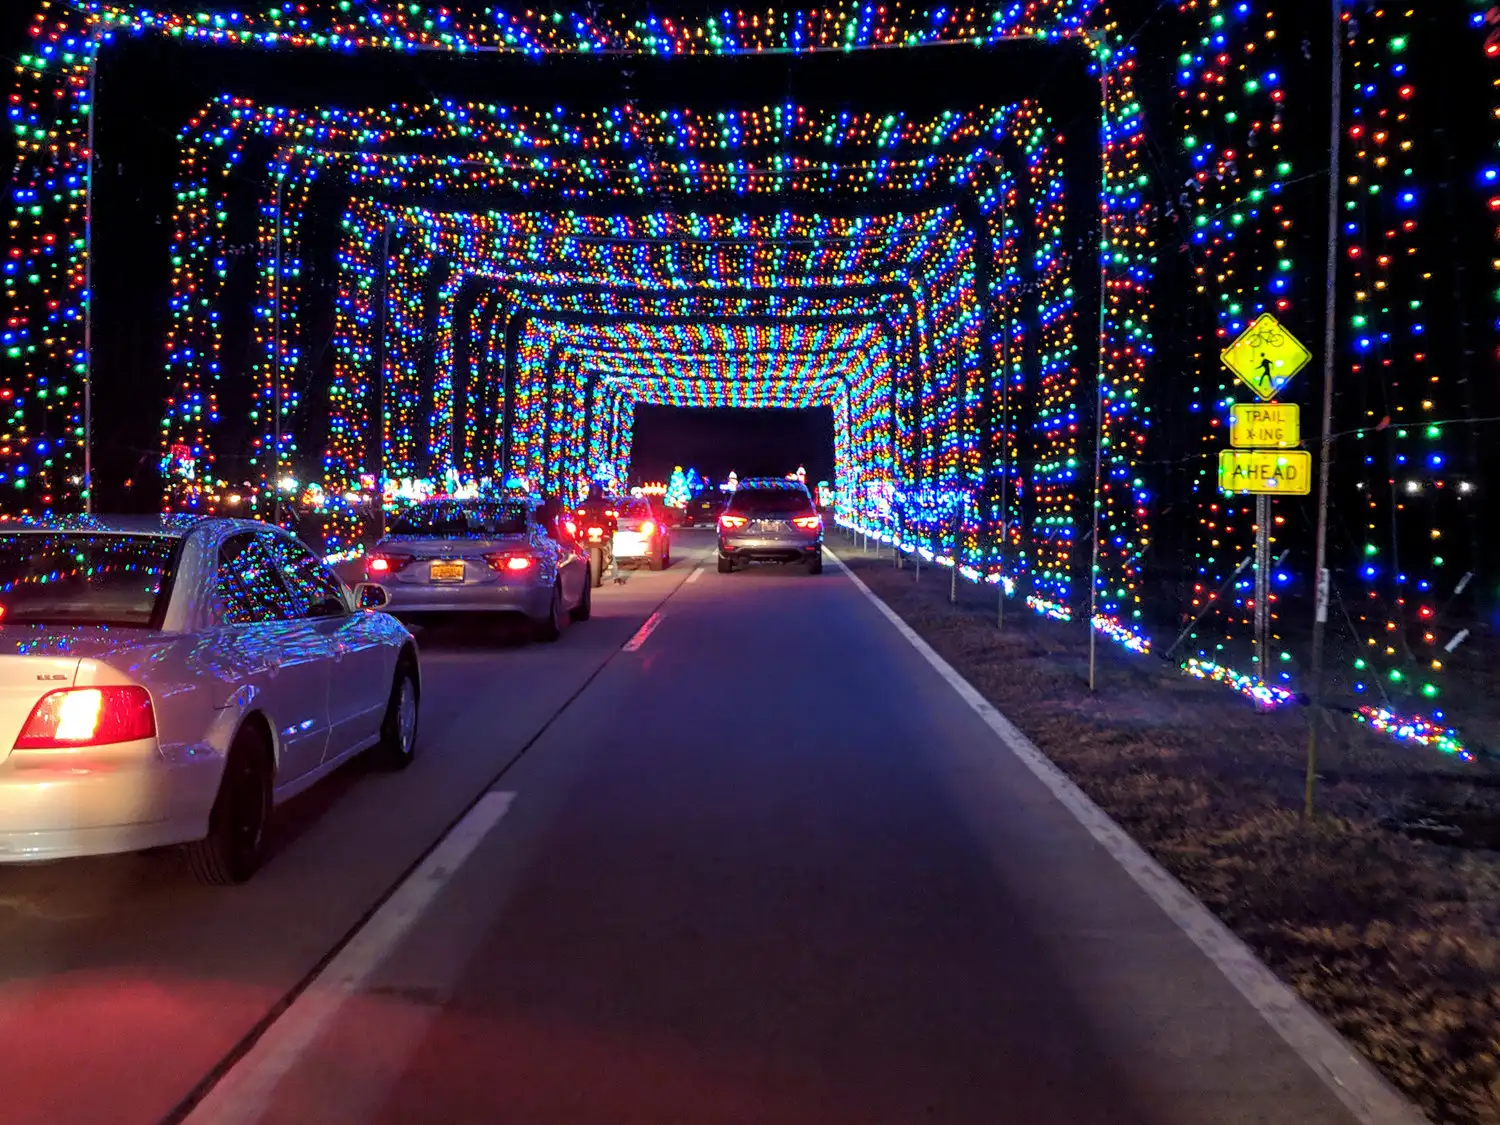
<point>1330,310</point>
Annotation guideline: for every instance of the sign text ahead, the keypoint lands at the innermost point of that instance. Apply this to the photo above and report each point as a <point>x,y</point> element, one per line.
<point>1271,472</point>
<point>1254,425</point>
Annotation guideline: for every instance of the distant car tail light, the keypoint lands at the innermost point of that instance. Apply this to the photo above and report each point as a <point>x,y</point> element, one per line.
<point>88,717</point>
<point>512,564</point>
<point>648,529</point>
<point>809,523</point>
<point>611,513</point>
<point>380,565</point>
<point>732,522</point>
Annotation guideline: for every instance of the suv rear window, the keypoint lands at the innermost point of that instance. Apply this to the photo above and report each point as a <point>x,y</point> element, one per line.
<point>635,510</point>
<point>755,501</point>
<point>83,578</point>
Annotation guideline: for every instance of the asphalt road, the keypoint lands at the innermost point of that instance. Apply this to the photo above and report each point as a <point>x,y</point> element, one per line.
<point>757,865</point>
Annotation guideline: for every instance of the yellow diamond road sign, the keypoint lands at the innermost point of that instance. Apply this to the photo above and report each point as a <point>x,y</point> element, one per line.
<point>1273,472</point>
<point>1266,356</point>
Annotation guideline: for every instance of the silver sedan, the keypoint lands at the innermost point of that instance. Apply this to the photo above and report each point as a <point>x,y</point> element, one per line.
<point>168,680</point>
<point>481,556</point>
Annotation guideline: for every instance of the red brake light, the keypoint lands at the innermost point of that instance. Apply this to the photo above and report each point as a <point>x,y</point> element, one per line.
<point>88,717</point>
<point>596,533</point>
<point>611,513</point>
<point>386,564</point>
<point>513,563</point>
<point>732,521</point>
<point>570,527</point>
<point>648,529</point>
<point>809,523</point>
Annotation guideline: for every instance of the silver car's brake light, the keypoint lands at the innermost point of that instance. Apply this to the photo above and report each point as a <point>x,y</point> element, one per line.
<point>96,716</point>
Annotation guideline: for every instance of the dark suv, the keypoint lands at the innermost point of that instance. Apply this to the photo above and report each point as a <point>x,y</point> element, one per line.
<point>770,521</point>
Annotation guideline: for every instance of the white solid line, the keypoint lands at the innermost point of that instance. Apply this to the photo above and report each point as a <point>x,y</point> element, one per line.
<point>697,574</point>
<point>245,1091</point>
<point>1357,1084</point>
<point>642,633</point>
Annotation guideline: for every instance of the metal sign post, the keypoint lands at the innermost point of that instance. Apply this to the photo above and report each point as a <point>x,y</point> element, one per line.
<point>1263,587</point>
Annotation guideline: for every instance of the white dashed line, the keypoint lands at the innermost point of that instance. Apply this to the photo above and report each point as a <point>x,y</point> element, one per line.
<point>642,633</point>
<point>697,574</point>
<point>1357,1084</point>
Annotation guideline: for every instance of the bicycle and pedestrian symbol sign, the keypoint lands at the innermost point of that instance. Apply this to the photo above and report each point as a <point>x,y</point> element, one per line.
<point>1266,356</point>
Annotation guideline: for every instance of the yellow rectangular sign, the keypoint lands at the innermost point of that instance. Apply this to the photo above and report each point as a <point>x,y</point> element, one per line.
<point>1262,425</point>
<point>1277,472</point>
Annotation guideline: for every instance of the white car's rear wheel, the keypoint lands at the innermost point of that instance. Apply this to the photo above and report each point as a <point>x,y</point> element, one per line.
<point>236,840</point>
<point>398,730</point>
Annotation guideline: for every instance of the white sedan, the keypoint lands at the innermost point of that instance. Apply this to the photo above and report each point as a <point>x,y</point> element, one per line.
<point>167,680</point>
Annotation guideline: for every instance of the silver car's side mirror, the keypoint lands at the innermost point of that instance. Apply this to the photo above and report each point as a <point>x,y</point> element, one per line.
<point>367,595</point>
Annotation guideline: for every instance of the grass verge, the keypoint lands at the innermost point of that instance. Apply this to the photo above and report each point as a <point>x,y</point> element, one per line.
<point>1393,938</point>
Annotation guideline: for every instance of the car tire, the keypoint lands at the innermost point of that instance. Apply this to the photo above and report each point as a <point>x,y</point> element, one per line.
<point>726,565</point>
<point>547,629</point>
<point>657,559</point>
<point>815,563</point>
<point>596,566</point>
<point>398,730</point>
<point>585,607</point>
<point>236,842</point>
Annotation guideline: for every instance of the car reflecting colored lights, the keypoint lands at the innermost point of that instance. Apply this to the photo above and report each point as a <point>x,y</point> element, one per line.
<point>478,556</point>
<point>172,679</point>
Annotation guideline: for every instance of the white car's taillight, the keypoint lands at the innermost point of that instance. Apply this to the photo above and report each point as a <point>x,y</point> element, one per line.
<point>92,716</point>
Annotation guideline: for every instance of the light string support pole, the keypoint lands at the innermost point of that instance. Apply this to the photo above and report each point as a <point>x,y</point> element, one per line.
<point>276,362</point>
<point>1103,244</point>
<point>88,298</point>
<point>379,349</point>
<point>1325,467</point>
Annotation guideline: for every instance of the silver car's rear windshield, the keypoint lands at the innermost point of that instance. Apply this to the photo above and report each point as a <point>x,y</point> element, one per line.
<point>770,501</point>
<point>449,519</point>
<point>84,578</point>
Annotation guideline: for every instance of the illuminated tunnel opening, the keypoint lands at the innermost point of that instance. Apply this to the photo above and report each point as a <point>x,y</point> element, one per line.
<point>717,441</point>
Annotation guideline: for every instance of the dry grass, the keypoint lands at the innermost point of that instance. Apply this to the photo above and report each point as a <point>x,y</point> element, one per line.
<point>1395,940</point>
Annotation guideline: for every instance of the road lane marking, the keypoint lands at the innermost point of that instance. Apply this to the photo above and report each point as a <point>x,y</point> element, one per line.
<point>244,1092</point>
<point>642,633</point>
<point>697,574</point>
<point>1355,1082</point>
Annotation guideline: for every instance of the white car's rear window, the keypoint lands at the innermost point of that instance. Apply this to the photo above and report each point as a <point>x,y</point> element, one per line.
<point>83,578</point>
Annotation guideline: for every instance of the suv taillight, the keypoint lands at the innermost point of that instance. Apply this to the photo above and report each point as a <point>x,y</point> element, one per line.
<point>809,523</point>
<point>88,717</point>
<point>381,565</point>
<point>732,522</point>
